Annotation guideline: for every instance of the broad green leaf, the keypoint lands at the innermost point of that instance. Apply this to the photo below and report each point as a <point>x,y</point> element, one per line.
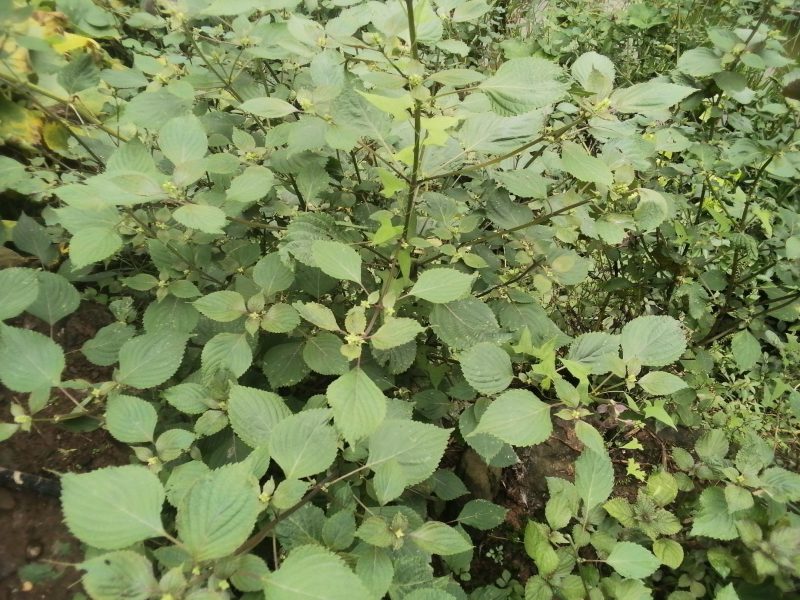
<point>712,518</point>
<point>594,478</point>
<point>103,348</point>
<point>189,398</point>
<point>652,210</point>
<point>182,478</point>
<point>250,574</point>
<point>632,561</point>
<point>727,593</point>
<point>538,547</point>
<point>438,538</point>
<point>304,444</point>
<point>29,361</point>
<point>150,359</point>
<point>224,306</point>
<point>653,341</point>
<point>219,511</point>
<point>590,437</point>
<point>57,298</point>
<point>487,368</point>
<point>394,332</point>
<point>93,244</point>
<point>358,404</point>
<point>183,139</point>
<point>782,485</point>
<point>284,365</point>
<point>116,575</point>
<point>323,355</point>
<point>19,288</point>
<point>583,166</point>
<point>319,315</point>
<point>205,218</point>
<point>227,352</point>
<point>669,552</point>
<point>746,350</point>
<point>464,323</point>
<point>254,413</point>
<point>314,572</point>
<point>272,275</point>
<point>661,383</point>
<point>415,449</point>
<point>442,285</point>
<point>523,84</point>
<point>268,108</point>
<point>337,260</point>
<point>130,419</point>
<point>113,507</point>
<point>651,97</point>
<point>594,72</point>
<point>253,184</point>
<point>280,318</point>
<point>482,514</point>
<point>700,62</point>
<point>516,417</point>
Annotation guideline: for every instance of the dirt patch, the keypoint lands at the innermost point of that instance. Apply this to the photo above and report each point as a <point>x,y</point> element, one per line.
<point>36,550</point>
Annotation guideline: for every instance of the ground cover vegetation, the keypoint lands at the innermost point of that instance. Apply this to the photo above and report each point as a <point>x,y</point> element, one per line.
<point>365,259</point>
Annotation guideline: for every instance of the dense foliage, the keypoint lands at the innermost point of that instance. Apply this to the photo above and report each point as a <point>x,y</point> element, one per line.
<point>347,242</point>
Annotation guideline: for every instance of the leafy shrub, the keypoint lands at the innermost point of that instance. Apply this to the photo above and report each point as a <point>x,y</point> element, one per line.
<point>343,240</point>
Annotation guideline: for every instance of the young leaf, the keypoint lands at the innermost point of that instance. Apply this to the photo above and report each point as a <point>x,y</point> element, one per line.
<point>594,478</point>
<point>150,359</point>
<point>304,444</point>
<point>338,260</point>
<point>632,561</point>
<point>113,507</point>
<point>358,404</point>
<point>29,361</point>
<point>438,538</point>
<point>123,574</point>
<point>487,368</point>
<point>394,332</point>
<point>516,417</point>
<point>130,419</point>
<point>442,285</point>
<point>538,547</point>
<point>653,341</point>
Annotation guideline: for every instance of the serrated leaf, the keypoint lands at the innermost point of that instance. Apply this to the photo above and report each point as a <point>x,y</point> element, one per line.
<point>437,538</point>
<point>337,260</point>
<point>482,514</point>
<point>632,561</point>
<point>323,355</point>
<point>394,332</point>
<point>93,244</point>
<point>487,368</point>
<point>583,166</point>
<point>113,507</point>
<point>464,323</point>
<point>590,437</point>
<point>218,513</point>
<point>669,552</point>
<point>523,84</point>
<point>29,361</point>
<point>314,572</point>
<point>116,575</point>
<point>358,404</point>
<point>19,288</point>
<point>700,62</point>
<point>746,350</point>
<point>304,444</point>
<point>268,108</point>
<point>661,383</point>
<point>150,359</point>
<point>271,275</point>
<point>254,414</point>
<point>713,519</point>
<point>516,417</point>
<point>319,315</point>
<point>538,547</point>
<point>103,348</point>
<point>223,306</point>
<point>227,352</point>
<point>594,478</point>
<point>651,211</point>
<point>57,298</point>
<point>183,139</point>
<point>651,97</point>
<point>130,419</point>
<point>442,285</point>
<point>653,341</point>
<point>202,217</point>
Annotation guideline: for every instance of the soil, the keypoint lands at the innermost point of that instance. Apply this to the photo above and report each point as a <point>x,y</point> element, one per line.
<point>36,549</point>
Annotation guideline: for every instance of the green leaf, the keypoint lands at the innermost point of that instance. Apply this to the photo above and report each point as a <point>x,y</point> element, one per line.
<point>516,417</point>
<point>669,552</point>
<point>284,365</point>
<point>150,359</point>
<point>183,139</point>
<point>590,437</point>
<point>661,383</point>
<point>254,413</point>
<point>538,547</point>
<point>358,404</point>
<point>323,355</point>
<point>583,166</point>
<point>487,368</point>
<point>337,260</point>
<point>442,285</point>
<point>314,572</point>
<point>189,398</point>
<point>727,593</point>
<point>202,217</point>
<point>782,485</point>
<point>651,211</point>
<point>713,519</point>
<point>319,315</point>
<point>223,306</point>
<point>93,244</point>
<point>272,275</point>
<point>523,84</point>
<point>653,341</point>
<point>482,514</point>
<point>267,108</point>
<point>113,507</point>
<point>18,289</point>
<point>700,62</point>
<point>253,184</point>
<point>746,350</point>
<point>227,352</point>
<point>219,511</point>
<point>464,323</point>
<point>408,449</point>
<point>594,478</point>
<point>304,444</point>
<point>594,72</point>
<point>394,332</point>
<point>438,538</point>
<point>280,318</point>
<point>632,561</point>
<point>57,298</point>
<point>651,97</point>
<point>29,361</point>
<point>130,419</point>
<point>103,348</point>
<point>116,575</point>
